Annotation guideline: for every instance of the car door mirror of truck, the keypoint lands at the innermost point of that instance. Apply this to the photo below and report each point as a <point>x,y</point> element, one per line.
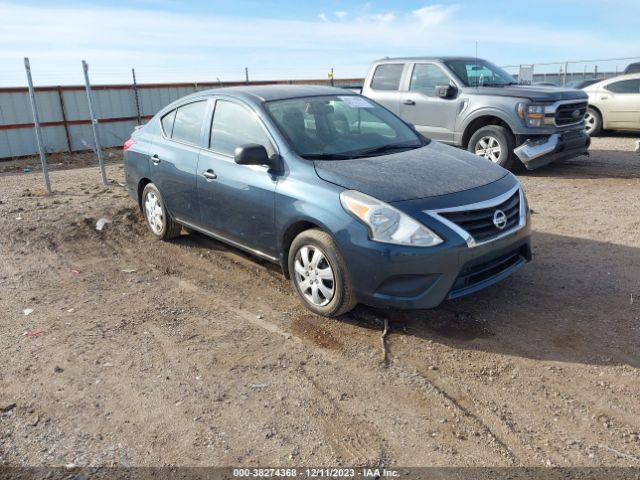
<point>446,91</point>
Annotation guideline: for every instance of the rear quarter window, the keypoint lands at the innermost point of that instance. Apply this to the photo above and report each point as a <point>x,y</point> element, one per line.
<point>167,123</point>
<point>387,76</point>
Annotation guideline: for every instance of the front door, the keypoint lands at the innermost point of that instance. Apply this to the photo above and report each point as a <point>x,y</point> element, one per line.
<point>431,115</point>
<point>237,201</point>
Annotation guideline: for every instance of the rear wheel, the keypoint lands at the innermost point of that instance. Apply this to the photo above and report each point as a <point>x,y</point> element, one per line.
<point>494,143</point>
<point>319,274</point>
<point>158,220</point>
<point>592,122</point>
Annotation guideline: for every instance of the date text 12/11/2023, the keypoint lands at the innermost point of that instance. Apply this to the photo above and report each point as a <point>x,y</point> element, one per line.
<point>346,473</point>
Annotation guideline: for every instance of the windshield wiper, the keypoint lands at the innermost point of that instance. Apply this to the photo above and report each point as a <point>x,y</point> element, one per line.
<point>386,148</point>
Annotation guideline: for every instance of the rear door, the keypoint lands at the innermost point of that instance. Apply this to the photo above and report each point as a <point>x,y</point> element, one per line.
<point>173,158</point>
<point>621,104</point>
<point>237,202</point>
<point>432,116</point>
<point>384,85</point>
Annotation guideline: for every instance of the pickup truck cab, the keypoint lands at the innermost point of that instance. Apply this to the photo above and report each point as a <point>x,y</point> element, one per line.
<point>471,103</point>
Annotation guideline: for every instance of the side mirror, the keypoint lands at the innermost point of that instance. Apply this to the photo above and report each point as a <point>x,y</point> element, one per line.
<point>252,154</point>
<point>446,91</point>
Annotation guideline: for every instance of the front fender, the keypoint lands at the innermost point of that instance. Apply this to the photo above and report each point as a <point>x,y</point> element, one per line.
<point>492,112</point>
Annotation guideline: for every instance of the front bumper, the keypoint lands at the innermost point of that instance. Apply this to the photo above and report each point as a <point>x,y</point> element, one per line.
<point>538,152</point>
<point>415,278</point>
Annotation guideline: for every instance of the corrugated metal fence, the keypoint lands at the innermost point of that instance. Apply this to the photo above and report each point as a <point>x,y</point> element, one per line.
<point>64,114</point>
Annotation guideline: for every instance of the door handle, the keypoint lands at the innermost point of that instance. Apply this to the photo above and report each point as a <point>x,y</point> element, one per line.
<point>209,174</point>
<point>155,159</point>
<point>409,102</point>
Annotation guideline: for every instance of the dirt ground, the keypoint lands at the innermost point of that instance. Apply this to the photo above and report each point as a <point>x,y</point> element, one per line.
<point>140,352</point>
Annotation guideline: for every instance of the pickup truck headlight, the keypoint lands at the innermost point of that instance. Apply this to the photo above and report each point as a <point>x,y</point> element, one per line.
<point>387,224</point>
<point>533,115</point>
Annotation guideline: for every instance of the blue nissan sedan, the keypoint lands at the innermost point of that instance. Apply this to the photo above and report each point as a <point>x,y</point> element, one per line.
<point>351,202</point>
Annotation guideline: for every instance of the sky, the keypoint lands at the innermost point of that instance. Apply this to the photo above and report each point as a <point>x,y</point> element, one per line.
<point>207,40</point>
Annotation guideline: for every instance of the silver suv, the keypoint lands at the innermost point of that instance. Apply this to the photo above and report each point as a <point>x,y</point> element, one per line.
<point>471,103</point>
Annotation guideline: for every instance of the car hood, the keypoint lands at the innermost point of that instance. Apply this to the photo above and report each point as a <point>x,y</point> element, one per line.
<point>531,92</point>
<point>429,171</point>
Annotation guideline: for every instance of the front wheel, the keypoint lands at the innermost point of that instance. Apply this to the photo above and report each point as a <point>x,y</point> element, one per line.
<point>319,274</point>
<point>494,143</point>
<point>592,122</point>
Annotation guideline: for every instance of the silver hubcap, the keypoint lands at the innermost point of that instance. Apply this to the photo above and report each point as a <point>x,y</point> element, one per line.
<point>153,212</point>
<point>488,147</point>
<point>589,122</point>
<point>314,275</point>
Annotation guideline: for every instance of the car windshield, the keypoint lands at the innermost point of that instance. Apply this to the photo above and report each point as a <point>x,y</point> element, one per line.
<point>480,73</point>
<point>341,127</point>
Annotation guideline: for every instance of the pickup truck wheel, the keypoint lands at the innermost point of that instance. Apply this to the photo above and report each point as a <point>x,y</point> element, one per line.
<point>160,223</point>
<point>319,274</point>
<point>592,122</point>
<point>494,143</point>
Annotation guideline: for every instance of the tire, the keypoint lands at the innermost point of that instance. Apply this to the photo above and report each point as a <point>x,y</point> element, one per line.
<point>329,292</point>
<point>158,220</point>
<point>592,122</point>
<point>494,143</point>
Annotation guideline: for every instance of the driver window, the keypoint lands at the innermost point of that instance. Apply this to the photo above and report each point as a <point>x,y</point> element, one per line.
<point>234,125</point>
<point>425,78</point>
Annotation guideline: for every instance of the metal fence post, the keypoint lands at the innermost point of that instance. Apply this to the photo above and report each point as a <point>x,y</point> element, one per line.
<point>36,125</point>
<point>64,118</point>
<point>135,92</point>
<point>94,122</point>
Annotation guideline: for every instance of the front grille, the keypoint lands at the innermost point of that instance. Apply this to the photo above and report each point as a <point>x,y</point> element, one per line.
<point>479,222</point>
<point>565,113</point>
<point>474,275</point>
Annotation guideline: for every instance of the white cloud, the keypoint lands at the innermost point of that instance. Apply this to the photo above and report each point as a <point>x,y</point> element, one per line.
<point>342,14</point>
<point>165,46</point>
<point>384,17</point>
<point>434,14</point>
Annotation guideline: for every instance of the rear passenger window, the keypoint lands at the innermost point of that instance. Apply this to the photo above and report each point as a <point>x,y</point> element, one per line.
<point>387,76</point>
<point>234,126</point>
<point>167,123</point>
<point>188,122</point>
<point>625,86</point>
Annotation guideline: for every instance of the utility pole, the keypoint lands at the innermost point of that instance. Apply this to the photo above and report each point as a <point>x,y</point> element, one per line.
<point>246,75</point>
<point>94,122</point>
<point>36,125</point>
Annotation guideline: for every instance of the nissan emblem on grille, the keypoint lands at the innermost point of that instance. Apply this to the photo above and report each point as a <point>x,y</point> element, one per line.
<point>499,219</point>
<point>576,114</point>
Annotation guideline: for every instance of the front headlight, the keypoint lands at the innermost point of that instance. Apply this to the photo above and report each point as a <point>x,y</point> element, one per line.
<point>533,115</point>
<point>387,224</point>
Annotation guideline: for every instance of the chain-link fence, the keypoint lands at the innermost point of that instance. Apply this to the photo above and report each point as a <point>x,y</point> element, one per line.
<point>561,73</point>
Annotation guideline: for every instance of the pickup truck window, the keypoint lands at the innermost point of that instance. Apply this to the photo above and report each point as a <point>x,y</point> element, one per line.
<point>425,78</point>
<point>387,76</point>
<point>478,73</point>
<point>625,86</point>
<point>341,127</point>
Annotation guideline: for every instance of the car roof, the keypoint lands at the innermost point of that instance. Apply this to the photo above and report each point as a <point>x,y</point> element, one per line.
<point>266,93</point>
<point>617,78</point>
<point>432,59</point>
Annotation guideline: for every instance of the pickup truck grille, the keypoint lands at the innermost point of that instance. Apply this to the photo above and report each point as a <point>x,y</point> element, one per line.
<point>566,113</point>
<point>479,222</point>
